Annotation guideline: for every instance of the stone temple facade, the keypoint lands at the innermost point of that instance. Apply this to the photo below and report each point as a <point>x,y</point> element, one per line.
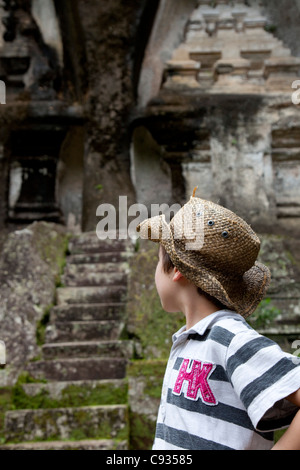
<point>149,101</point>
<point>223,117</point>
<point>145,99</point>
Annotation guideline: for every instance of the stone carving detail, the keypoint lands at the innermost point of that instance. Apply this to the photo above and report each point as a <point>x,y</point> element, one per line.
<point>26,62</point>
<point>227,48</point>
<point>286,165</point>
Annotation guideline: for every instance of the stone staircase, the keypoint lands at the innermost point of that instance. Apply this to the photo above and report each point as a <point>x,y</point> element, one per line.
<point>80,398</point>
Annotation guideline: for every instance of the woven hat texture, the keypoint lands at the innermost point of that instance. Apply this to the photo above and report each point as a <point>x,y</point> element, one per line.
<point>214,249</point>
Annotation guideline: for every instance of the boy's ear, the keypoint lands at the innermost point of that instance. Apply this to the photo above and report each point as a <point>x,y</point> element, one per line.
<point>177,275</point>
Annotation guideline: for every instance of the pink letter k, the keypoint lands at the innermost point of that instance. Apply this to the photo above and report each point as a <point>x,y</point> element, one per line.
<point>197,379</point>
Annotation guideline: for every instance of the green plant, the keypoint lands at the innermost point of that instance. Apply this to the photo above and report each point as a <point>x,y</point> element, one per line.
<point>42,324</point>
<point>264,315</point>
<point>270,28</point>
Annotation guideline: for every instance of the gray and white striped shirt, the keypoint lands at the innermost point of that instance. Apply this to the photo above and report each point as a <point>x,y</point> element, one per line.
<point>224,388</point>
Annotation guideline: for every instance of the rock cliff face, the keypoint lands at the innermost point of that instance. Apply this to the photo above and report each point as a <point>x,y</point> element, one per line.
<point>31,262</point>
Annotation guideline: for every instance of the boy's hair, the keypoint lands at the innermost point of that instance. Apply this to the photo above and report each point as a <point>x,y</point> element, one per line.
<point>168,265</point>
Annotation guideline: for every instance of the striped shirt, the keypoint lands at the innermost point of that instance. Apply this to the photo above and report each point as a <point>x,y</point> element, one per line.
<point>224,388</point>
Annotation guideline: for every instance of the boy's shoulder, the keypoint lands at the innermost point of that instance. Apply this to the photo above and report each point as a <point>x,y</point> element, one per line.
<point>226,326</point>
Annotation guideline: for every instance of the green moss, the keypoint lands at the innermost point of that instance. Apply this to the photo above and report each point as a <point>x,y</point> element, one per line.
<point>82,425</point>
<point>142,431</point>
<point>71,396</point>
<point>42,324</point>
<point>5,405</point>
<point>145,379</point>
<point>101,394</point>
<point>152,373</point>
<point>264,315</point>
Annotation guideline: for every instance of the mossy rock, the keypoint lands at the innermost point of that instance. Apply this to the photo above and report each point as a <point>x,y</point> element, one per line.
<point>65,394</point>
<point>145,380</point>
<point>31,263</point>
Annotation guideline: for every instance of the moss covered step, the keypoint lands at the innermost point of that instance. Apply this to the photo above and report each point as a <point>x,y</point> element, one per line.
<point>90,422</point>
<point>85,444</point>
<point>68,394</point>
<point>83,331</point>
<point>92,368</point>
<point>87,278</point>
<point>69,295</point>
<point>88,312</point>
<point>99,258</point>
<point>82,349</point>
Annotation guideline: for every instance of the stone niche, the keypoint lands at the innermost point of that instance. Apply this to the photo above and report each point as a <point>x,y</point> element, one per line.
<point>32,175</point>
<point>45,174</point>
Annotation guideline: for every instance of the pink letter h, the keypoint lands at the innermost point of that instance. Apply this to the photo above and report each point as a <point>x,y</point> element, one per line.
<point>197,379</point>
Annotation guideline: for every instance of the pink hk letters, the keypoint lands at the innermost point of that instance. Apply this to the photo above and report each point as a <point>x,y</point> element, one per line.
<point>197,379</point>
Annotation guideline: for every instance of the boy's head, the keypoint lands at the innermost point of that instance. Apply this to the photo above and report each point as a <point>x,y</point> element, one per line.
<point>214,249</point>
<point>168,266</point>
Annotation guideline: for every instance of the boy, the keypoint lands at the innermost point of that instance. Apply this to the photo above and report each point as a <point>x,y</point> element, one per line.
<point>225,387</point>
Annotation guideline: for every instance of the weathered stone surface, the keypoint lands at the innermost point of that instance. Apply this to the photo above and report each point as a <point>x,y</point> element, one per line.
<point>76,349</point>
<point>94,279</point>
<point>145,383</point>
<point>100,422</point>
<point>30,266</point>
<point>111,64</point>
<point>86,312</point>
<point>71,393</point>
<point>108,267</point>
<point>103,257</point>
<point>88,242</point>
<point>84,444</point>
<point>73,295</point>
<point>63,331</point>
<point>278,253</point>
<point>90,368</point>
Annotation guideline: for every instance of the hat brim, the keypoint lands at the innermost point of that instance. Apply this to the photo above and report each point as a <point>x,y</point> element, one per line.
<point>240,293</point>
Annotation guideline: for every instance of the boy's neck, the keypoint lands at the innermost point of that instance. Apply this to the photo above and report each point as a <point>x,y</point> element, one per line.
<point>193,319</point>
<point>196,307</point>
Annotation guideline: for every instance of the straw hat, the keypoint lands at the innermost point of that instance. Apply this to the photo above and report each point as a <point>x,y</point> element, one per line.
<point>214,249</point>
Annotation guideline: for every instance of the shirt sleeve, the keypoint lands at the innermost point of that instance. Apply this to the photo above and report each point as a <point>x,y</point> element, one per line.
<point>263,376</point>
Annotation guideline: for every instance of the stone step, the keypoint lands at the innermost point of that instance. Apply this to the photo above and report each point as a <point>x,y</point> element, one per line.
<point>106,267</point>
<point>87,444</point>
<point>99,258</point>
<point>88,312</point>
<point>106,350</point>
<point>83,331</point>
<point>90,243</point>
<point>106,294</point>
<point>72,393</point>
<point>92,368</point>
<point>87,278</point>
<point>91,422</point>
